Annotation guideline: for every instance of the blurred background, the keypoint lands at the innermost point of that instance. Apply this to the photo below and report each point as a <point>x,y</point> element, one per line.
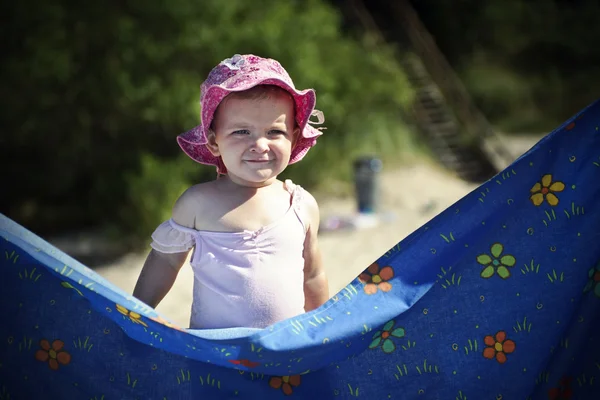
<point>445,93</point>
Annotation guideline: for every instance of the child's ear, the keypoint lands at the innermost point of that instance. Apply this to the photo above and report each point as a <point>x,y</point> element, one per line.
<point>212,145</point>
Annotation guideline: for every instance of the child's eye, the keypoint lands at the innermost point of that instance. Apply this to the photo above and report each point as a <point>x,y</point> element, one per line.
<point>241,132</point>
<point>277,132</point>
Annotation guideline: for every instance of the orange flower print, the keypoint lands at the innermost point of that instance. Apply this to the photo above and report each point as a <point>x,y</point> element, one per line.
<point>285,383</point>
<point>498,347</point>
<point>376,278</point>
<point>53,354</point>
<point>563,391</point>
<point>245,363</point>
<point>545,190</point>
<point>133,316</point>
<point>163,321</point>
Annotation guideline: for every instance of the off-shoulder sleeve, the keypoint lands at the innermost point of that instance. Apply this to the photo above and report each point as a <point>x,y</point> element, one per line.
<point>170,237</point>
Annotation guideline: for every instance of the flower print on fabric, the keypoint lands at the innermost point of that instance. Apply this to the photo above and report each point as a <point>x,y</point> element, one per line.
<point>245,363</point>
<point>545,190</point>
<point>497,263</point>
<point>133,316</point>
<point>593,283</point>
<point>285,383</point>
<point>384,337</point>
<point>563,391</point>
<point>53,354</point>
<point>498,347</point>
<point>375,278</point>
<point>159,320</point>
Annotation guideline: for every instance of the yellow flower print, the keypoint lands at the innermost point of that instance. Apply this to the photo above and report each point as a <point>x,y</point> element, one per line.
<point>133,316</point>
<point>545,190</point>
<point>164,322</point>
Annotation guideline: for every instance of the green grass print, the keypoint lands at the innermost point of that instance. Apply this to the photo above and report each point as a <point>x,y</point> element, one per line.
<point>32,275</point>
<point>409,345</point>
<point>185,376</point>
<point>223,350</point>
<point>449,238</point>
<point>505,175</point>
<point>11,256</point>
<point>208,381</point>
<point>427,368</point>
<point>402,371</point>
<point>584,380</point>
<point>83,344</point>
<point>553,277</point>
<point>353,392</point>
<point>575,210</point>
<point>531,268</point>
<point>524,326</point>
<point>130,381</point>
<point>550,216</point>
<point>472,347</point>
<point>483,194</point>
<point>449,280</point>
<point>543,377</point>
<point>25,344</point>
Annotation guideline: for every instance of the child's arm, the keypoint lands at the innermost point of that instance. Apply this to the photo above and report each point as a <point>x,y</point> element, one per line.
<point>160,269</point>
<point>157,276</point>
<point>316,287</point>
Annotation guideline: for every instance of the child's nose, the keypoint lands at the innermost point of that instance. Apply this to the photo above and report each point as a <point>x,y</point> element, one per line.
<point>260,145</point>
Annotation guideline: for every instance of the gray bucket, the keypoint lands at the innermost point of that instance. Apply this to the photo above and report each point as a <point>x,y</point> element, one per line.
<point>366,183</point>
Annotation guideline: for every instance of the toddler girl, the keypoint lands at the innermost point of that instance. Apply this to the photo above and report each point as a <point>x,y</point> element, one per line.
<point>256,258</point>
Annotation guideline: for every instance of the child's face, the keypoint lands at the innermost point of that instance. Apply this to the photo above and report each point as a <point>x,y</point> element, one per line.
<point>254,137</point>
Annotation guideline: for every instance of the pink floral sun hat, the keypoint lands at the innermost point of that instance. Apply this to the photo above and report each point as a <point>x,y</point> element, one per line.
<point>239,73</point>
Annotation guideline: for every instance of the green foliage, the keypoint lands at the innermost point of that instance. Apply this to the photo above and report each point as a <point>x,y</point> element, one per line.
<point>529,64</point>
<point>92,89</point>
<point>153,189</point>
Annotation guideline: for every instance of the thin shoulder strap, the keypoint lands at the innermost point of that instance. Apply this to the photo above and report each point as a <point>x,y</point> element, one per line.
<point>297,195</point>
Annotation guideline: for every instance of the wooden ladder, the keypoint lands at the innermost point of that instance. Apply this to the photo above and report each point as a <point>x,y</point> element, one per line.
<point>459,136</point>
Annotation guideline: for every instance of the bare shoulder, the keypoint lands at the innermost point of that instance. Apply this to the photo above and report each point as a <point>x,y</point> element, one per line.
<point>312,208</point>
<point>190,204</point>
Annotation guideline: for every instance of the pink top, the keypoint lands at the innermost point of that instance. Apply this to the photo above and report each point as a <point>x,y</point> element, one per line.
<point>243,279</point>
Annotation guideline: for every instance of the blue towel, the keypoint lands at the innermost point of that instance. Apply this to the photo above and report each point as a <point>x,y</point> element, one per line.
<point>498,297</point>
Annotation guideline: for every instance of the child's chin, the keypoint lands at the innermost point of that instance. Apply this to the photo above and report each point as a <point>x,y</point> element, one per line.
<point>258,175</point>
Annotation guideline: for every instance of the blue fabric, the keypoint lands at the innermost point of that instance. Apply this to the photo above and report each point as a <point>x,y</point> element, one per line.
<point>496,297</point>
